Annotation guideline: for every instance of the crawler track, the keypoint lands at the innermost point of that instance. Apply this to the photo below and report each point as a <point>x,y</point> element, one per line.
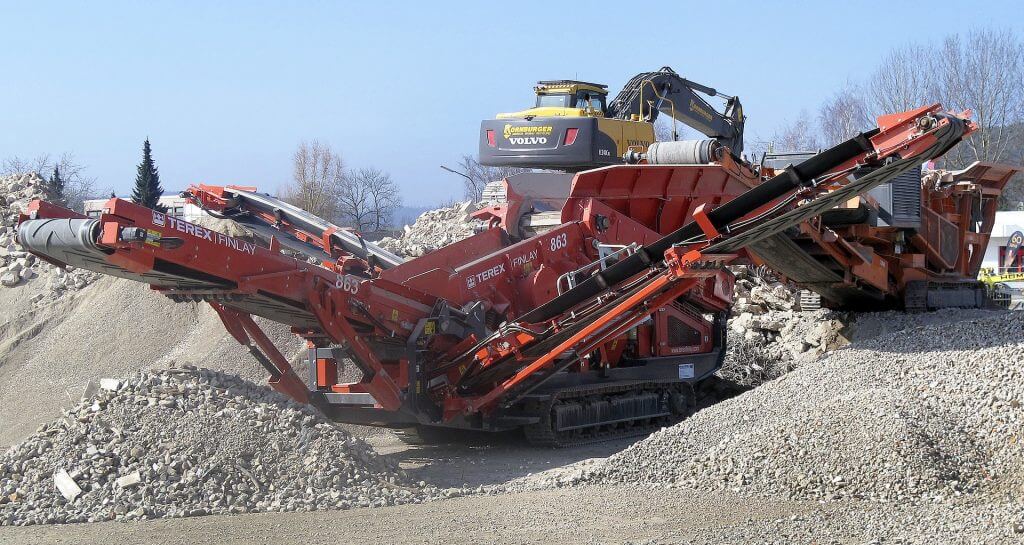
<point>592,413</point>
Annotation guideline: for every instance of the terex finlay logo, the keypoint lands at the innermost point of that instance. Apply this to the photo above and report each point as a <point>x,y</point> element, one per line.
<point>201,232</point>
<point>159,218</point>
<point>527,135</point>
<point>484,275</point>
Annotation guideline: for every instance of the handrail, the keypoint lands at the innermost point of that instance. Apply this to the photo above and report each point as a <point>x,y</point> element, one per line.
<point>601,260</point>
<point>675,135</point>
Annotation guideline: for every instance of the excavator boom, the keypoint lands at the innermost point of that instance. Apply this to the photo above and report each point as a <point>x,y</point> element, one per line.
<point>648,94</point>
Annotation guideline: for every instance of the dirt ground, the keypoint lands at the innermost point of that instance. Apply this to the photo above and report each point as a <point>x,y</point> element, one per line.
<point>581,515</point>
<point>603,514</point>
<point>587,514</point>
<point>599,514</point>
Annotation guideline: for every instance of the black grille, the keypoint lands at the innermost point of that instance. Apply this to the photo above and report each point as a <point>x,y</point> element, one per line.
<point>906,199</point>
<point>680,334</point>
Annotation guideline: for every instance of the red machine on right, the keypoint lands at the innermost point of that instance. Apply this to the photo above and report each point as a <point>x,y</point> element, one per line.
<point>914,243</point>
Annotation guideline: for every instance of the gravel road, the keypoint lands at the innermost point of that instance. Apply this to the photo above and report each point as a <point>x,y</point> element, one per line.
<point>593,514</point>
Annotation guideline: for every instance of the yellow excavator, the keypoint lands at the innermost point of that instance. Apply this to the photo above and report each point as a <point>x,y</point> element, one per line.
<point>573,127</point>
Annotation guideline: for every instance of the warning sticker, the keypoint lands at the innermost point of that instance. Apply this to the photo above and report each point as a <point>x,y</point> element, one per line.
<point>152,236</point>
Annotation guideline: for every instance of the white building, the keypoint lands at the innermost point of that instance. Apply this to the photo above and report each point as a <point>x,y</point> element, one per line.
<point>1007,222</point>
<point>176,206</point>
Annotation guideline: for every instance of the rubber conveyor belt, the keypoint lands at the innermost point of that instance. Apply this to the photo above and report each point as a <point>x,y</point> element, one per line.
<point>349,240</point>
<point>73,242</point>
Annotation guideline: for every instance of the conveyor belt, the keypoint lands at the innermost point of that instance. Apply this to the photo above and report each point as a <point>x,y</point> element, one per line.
<point>349,240</point>
<point>802,175</point>
<point>73,241</point>
<point>788,258</point>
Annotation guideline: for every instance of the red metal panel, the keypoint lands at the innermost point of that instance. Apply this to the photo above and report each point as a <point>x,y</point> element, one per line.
<point>662,197</point>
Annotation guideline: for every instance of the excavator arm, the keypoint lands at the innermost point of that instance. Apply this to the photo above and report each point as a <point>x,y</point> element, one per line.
<point>648,94</point>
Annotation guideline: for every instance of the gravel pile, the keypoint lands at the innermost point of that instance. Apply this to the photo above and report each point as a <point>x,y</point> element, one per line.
<point>17,266</point>
<point>188,442</point>
<point>434,229</point>
<point>927,414</point>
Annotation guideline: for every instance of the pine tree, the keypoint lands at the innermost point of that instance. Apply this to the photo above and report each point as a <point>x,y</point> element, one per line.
<point>57,184</point>
<point>147,190</point>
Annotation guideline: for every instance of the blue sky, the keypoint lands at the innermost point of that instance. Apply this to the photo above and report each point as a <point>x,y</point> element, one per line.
<point>226,90</point>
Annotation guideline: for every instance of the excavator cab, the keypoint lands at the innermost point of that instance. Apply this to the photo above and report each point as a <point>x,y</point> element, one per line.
<point>588,97</point>
<point>565,98</point>
<point>591,102</point>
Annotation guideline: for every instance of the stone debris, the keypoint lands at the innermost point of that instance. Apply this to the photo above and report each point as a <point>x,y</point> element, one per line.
<point>187,442</point>
<point>66,485</point>
<point>769,335</point>
<point>434,229</point>
<point>129,480</point>
<point>926,414</point>
<point>17,266</point>
<point>222,225</point>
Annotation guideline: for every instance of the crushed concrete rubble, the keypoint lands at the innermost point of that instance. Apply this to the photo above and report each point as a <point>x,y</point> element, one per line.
<point>434,229</point>
<point>222,225</point>
<point>769,335</point>
<point>930,414</point>
<point>187,442</point>
<point>18,267</point>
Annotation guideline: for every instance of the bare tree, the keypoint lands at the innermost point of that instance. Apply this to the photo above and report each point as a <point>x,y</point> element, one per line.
<point>365,199</point>
<point>844,116</point>
<point>664,127</point>
<point>984,72</point>
<point>318,179</point>
<point>355,205</point>
<point>478,176</point>
<point>370,200</point>
<point>667,129</point>
<point>77,185</point>
<point>18,165</point>
<point>904,80</point>
<point>800,135</point>
<point>1013,194</point>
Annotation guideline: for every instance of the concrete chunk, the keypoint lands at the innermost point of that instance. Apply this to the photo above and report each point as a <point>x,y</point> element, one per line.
<point>90,390</point>
<point>111,384</point>
<point>10,279</point>
<point>66,485</point>
<point>129,480</point>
